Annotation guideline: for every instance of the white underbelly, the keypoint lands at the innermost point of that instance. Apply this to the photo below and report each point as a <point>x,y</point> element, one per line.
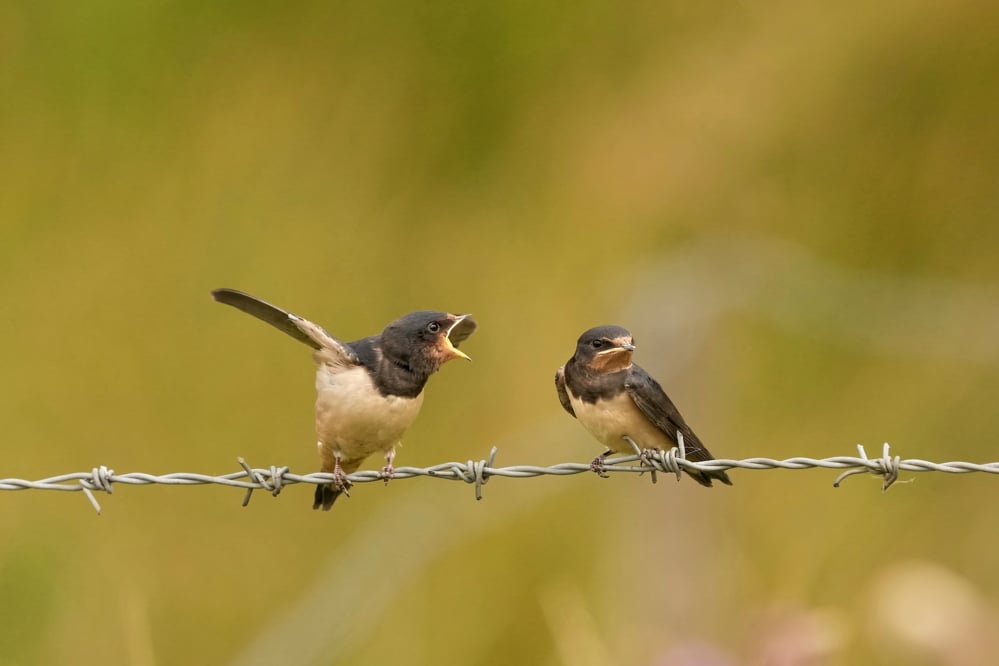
<point>611,420</point>
<point>353,419</point>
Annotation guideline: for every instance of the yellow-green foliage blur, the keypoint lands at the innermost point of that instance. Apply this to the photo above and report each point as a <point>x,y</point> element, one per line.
<point>793,207</point>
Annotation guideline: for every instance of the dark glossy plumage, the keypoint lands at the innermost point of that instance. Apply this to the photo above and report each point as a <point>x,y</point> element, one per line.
<point>599,390</point>
<point>369,390</point>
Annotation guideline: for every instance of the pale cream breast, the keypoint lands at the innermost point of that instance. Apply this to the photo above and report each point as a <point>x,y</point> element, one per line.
<point>610,420</point>
<point>353,419</point>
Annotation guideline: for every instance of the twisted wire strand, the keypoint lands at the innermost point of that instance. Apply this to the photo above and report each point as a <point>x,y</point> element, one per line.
<point>477,473</point>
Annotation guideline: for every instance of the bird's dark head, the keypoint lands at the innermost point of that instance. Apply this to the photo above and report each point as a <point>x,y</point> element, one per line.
<point>426,340</point>
<point>605,348</point>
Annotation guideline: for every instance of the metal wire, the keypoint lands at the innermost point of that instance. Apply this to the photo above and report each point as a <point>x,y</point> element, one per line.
<point>274,479</point>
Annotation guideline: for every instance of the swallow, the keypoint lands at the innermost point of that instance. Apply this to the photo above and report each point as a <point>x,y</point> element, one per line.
<point>614,398</point>
<point>369,391</point>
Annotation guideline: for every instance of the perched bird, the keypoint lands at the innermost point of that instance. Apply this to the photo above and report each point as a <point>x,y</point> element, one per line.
<point>368,391</point>
<point>614,398</point>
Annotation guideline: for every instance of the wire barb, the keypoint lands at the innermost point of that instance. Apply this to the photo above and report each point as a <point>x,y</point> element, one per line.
<point>478,473</point>
<point>273,483</point>
<point>101,478</point>
<point>668,461</point>
<point>886,466</point>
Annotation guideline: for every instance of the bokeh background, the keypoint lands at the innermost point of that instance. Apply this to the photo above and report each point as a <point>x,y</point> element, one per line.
<point>793,206</point>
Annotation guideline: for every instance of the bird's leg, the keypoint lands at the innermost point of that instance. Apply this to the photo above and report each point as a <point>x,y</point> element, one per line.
<point>598,464</point>
<point>645,456</point>
<point>389,471</point>
<point>340,480</point>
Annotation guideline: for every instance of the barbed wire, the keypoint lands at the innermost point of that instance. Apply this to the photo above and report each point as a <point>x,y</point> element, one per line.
<point>275,479</point>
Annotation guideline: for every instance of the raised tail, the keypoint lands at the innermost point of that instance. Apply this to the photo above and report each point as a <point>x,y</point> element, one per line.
<point>264,311</point>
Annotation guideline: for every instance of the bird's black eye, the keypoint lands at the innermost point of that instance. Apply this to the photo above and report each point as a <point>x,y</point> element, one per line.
<point>433,327</point>
<point>597,344</point>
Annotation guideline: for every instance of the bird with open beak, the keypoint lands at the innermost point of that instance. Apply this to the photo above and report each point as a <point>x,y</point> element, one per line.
<point>614,398</point>
<point>368,391</point>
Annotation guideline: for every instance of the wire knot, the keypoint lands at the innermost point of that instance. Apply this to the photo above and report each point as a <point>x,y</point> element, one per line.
<point>272,483</point>
<point>475,472</point>
<point>890,467</point>
<point>671,460</point>
<point>887,467</point>
<point>101,478</point>
<point>667,461</point>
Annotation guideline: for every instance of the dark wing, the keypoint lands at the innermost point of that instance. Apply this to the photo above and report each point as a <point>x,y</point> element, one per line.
<point>563,395</point>
<point>652,401</point>
<point>297,327</point>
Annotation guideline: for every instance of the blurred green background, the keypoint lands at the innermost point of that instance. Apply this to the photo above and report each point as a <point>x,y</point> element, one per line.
<point>793,206</point>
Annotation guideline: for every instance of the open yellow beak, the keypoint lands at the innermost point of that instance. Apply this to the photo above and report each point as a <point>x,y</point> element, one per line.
<point>461,328</point>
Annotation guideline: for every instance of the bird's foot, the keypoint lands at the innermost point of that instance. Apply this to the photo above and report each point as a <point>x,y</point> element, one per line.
<point>598,467</point>
<point>389,471</point>
<point>340,481</point>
